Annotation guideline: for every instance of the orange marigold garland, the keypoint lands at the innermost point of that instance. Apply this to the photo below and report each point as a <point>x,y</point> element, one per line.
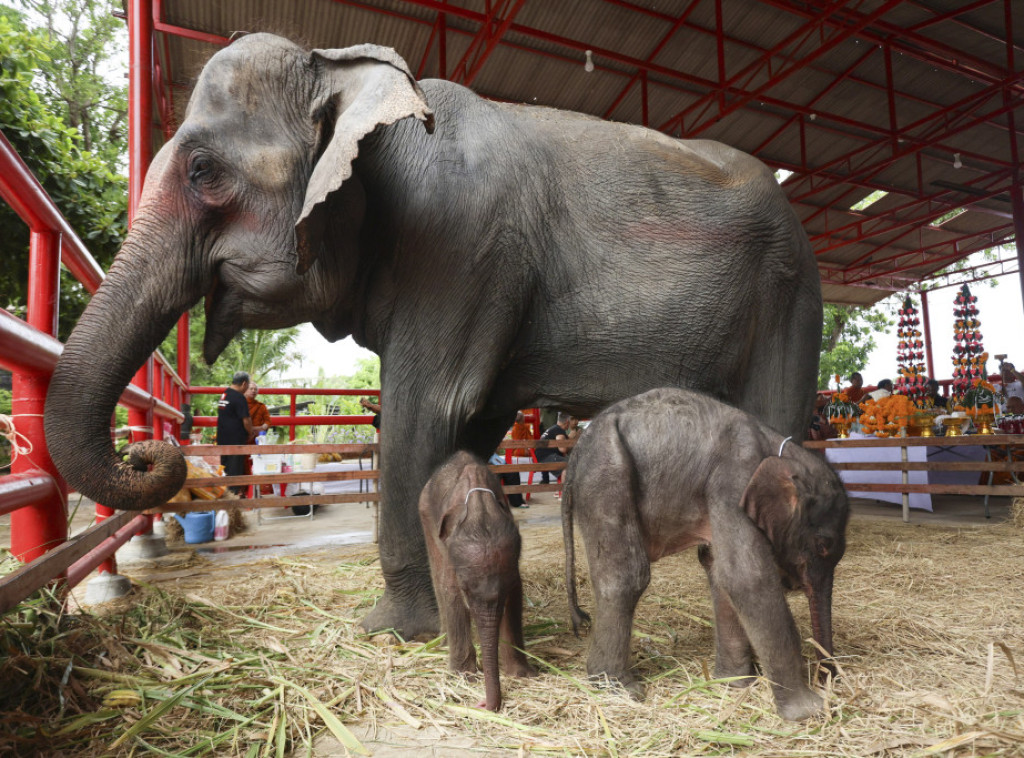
<point>885,416</point>
<point>910,354</point>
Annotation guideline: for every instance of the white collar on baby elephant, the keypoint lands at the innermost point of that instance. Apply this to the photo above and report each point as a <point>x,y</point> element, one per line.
<point>479,489</point>
<point>783,444</point>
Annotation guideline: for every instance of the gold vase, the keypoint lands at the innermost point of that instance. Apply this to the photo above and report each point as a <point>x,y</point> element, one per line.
<point>984,421</point>
<point>842,427</point>
<point>953,425</point>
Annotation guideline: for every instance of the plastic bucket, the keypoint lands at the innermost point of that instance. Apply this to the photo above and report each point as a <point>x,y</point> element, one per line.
<point>198,526</point>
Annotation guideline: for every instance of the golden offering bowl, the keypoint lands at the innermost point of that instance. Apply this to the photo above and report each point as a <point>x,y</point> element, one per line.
<point>926,431</point>
<point>842,427</point>
<point>984,421</point>
<point>953,425</point>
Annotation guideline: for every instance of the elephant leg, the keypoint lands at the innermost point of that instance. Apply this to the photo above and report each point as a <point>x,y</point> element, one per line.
<point>513,659</point>
<point>733,654</point>
<point>744,568</point>
<point>458,626</point>
<point>409,453</point>
<point>620,572</point>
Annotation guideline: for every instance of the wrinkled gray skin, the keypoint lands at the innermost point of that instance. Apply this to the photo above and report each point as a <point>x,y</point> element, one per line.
<point>671,469</point>
<point>474,545</point>
<point>516,256</point>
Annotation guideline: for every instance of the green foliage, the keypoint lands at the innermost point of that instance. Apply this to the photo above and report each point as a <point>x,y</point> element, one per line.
<point>847,339</point>
<point>5,448</point>
<point>366,376</point>
<point>259,353</point>
<point>86,38</point>
<point>92,198</point>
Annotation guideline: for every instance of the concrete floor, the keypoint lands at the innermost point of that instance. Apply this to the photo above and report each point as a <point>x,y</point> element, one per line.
<point>353,523</point>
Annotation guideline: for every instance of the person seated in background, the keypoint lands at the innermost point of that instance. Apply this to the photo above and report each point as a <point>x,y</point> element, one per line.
<point>938,401</point>
<point>856,389</point>
<point>1014,405</point>
<point>564,426</point>
<point>820,428</point>
<point>883,391</point>
<point>1011,382</point>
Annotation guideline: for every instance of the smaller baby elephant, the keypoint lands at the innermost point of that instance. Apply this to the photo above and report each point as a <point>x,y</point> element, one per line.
<point>672,469</point>
<point>474,546</point>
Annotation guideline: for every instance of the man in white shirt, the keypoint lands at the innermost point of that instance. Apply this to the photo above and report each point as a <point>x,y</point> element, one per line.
<point>884,390</point>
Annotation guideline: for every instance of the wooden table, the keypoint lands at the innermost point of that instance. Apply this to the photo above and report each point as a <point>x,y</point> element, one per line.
<point>989,441</point>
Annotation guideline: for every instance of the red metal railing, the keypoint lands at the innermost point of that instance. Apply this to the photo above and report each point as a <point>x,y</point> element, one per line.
<point>34,493</point>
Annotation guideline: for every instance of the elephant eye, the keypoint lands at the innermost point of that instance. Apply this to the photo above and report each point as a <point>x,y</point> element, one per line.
<point>201,170</point>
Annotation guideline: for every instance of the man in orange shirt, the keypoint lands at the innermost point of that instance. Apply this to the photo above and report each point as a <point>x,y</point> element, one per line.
<point>856,389</point>
<point>521,431</point>
<point>258,413</point>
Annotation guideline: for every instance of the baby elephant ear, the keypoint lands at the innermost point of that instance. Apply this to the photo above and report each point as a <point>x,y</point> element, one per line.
<point>363,87</point>
<point>770,498</point>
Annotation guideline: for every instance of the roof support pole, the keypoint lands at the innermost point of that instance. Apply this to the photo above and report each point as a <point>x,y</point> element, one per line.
<point>926,323</point>
<point>140,153</point>
<point>1017,186</point>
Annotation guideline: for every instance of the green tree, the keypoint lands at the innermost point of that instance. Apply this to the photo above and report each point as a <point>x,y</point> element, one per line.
<point>91,197</point>
<point>847,339</point>
<point>79,80</point>
<point>258,352</point>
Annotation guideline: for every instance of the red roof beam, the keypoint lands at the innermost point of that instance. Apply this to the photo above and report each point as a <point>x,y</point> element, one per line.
<point>920,47</point>
<point>928,256</point>
<point>800,37</point>
<point>676,24</point>
<point>899,213</point>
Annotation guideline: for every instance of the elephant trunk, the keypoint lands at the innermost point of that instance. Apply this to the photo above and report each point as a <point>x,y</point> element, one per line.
<point>488,624</point>
<point>129,315</point>
<point>819,598</point>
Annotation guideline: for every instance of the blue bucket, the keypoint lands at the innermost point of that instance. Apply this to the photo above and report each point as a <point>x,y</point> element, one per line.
<point>198,526</point>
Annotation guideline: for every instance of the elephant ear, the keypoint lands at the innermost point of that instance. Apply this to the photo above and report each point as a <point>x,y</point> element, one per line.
<point>770,498</point>
<point>364,87</point>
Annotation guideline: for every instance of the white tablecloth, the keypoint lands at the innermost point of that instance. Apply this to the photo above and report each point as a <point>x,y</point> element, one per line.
<point>918,500</point>
<point>335,488</point>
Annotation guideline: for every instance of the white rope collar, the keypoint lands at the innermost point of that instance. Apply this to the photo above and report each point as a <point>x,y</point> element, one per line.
<point>479,489</point>
<point>783,444</point>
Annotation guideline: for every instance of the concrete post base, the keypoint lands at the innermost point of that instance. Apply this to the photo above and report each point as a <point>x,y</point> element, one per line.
<point>104,587</point>
<point>142,547</point>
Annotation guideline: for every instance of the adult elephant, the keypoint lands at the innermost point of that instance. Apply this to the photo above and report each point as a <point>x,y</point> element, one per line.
<point>495,256</point>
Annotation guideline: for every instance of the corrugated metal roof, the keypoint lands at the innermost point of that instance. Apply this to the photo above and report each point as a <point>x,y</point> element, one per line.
<point>878,95</point>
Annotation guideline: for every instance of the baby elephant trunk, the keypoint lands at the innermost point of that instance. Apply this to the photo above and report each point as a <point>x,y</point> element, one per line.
<point>488,624</point>
<point>819,597</point>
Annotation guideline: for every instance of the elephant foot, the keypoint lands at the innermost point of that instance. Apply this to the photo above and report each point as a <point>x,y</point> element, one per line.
<point>407,617</point>
<point>521,669</point>
<point>798,704</point>
<point>633,686</point>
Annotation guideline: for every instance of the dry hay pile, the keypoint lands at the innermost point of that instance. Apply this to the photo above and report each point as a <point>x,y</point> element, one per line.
<point>265,658</point>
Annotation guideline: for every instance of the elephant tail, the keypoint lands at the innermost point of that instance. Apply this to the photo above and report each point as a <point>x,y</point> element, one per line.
<point>579,616</point>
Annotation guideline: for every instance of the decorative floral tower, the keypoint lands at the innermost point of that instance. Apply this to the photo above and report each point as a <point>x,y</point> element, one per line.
<point>969,354</point>
<point>910,353</point>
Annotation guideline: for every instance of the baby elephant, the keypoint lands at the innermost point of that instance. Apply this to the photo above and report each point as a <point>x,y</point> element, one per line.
<point>672,469</point>
<point>474,547</point>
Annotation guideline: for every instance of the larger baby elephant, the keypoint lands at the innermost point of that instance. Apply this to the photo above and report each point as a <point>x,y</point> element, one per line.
<point>474,547</point>
<point>671,469</point>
